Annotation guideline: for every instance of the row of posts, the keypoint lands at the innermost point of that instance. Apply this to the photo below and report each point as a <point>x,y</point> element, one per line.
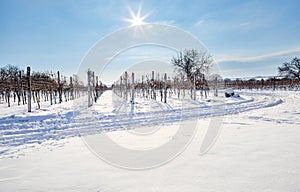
<point>94,89</point>
<point>150,88</point>
<point>124,87</point>
<point>91,87</point>
<point>60,91</point>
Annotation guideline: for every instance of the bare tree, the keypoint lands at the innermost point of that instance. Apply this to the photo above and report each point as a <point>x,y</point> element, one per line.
<point>192,62</point>
<point>194,65</point>
<point>290,69</point>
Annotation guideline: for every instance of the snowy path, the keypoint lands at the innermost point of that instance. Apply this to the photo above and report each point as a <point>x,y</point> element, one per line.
<point>258,150</point>
<point>63,121</point>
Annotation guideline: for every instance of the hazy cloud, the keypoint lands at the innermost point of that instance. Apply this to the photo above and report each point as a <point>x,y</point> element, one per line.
<point>199,22</point>
<point>166,22</point>
<point>260,57</point>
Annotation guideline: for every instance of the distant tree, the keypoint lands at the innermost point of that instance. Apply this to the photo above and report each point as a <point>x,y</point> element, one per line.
<point>8,76</point>
<point>227,80</point>
<point>214,77</point>
<point>192,61</point>
<point>290,69</point>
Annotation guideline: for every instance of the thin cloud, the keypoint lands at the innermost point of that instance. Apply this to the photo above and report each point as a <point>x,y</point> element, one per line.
<point>200,22</point>
<point>260,57</point>
<point>166,22</point>
<point>244,25</point>
<point>265,71</point>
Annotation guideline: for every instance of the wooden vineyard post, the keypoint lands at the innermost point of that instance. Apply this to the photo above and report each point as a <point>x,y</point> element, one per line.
<point>96,89</point>
<point>165,88</point>
<point>143,89</point>
<point>37,96</point>
<point>55,95</point>
<point>8,96</point>
<point>274,83</point>
<point>59,87</point>
<point>126,77</point>
<point>161,87</point>
<point>93,86</point>
<point>183,87</point>
<point>153,96</point>
<point>152,86</point>
<point>121,86</point>
<point>51,90</point>
<point>132,88</point>
<point>20,88</point>
<point>28,90</point>
<point>195,94</point>
<point>89,88</point>
<point>178,88</point>
<point>203,86</point>
<point>71,88</point>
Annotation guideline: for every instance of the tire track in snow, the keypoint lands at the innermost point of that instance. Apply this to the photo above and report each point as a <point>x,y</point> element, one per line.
<point>13,131</point>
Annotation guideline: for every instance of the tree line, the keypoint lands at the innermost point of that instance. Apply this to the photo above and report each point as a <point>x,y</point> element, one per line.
<point>288,78</point>
<point>192,68</point>
<point>43,86</point>
<point>192,73</point>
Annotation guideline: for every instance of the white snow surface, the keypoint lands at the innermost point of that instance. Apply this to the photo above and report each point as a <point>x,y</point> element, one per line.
<point>257,148</point>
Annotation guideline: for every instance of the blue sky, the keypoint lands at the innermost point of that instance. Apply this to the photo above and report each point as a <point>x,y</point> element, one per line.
<point>246,38</point>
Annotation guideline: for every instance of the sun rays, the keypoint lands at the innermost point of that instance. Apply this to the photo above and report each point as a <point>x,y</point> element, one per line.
<point>136,18</point>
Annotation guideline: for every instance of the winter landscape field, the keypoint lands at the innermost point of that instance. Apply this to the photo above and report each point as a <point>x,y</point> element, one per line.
<point>257,148</point>
<point>149,96</point>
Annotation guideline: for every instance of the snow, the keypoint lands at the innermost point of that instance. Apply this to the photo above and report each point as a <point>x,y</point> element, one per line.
<point>256,150</point>
<point>229,91</point>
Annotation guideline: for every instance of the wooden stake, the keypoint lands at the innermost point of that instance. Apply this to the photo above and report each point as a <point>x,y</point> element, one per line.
<point>28,89</point>
<point>132,88</point>
<point>165,95</point>
<point>89,88</point>
<point>59,87</point>
<point>195,86</point>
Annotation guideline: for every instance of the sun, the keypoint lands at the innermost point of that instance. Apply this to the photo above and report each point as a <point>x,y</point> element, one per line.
<point>136,19</point>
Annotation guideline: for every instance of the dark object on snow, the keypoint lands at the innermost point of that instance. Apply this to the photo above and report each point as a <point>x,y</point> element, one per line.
<point>229,92</point>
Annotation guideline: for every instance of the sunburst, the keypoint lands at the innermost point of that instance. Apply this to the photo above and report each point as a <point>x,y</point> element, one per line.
<point>136,19</point>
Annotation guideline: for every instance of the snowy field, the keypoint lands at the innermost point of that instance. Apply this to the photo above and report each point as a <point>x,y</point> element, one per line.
<point>257,148</point>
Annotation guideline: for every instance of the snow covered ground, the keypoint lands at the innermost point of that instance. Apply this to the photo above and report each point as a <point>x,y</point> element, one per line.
<point>257,148</point>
